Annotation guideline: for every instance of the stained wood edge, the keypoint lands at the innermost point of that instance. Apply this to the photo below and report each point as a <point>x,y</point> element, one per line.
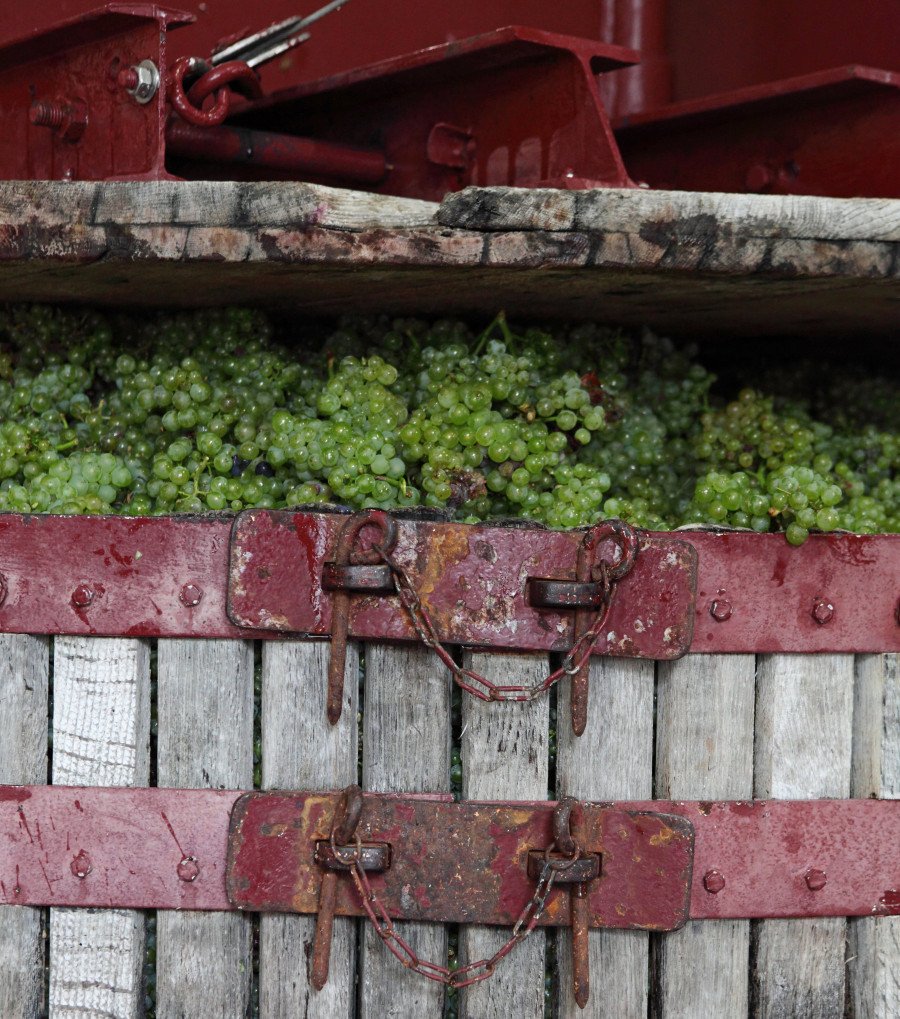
<point>688,213</point>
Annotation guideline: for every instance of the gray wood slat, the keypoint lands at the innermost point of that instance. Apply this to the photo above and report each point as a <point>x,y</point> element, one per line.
<point>300,750</point>
<point>804,711</point>
<point>612,760</point>
<point>406,748</point>
<point>101,736</point>
<point>24,676</point>
<point>873,963</point>
<point>505,757</point>
<point>704,750</point>
<point>205,711</point>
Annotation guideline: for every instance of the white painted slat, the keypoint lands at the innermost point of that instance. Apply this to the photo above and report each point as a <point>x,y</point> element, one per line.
<point>804,711</point>
<point>504,756</point>
<point>874,942</point>
<point>101,736</point>
<point>24,673</point>
<point>205,712</point>
<point>613,759</point>
<point>300,750</point>
<point>406,748</point>
<point>704,750</point>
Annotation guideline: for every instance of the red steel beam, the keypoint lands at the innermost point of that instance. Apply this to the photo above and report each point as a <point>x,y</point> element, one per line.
<point>167,849</point>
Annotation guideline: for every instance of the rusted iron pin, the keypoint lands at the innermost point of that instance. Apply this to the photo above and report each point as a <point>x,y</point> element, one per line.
<point>353,569</point>
<point>343,828</point>
<point>321,952</point>
<point>579,907</point>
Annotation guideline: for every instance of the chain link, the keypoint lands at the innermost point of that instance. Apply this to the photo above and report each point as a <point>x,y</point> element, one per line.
<point>473,682</point>
<point>473,972</point>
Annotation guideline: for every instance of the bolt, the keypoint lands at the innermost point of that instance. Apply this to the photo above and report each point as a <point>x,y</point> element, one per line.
<point>81,866</point>
<point>815,880</point>
<point>191,595</point>
<point>4,589</point>
<point>188,868</point>
<point>822,611</point>
<point>713,881</point>
<point>141,81</point>
<point>69,119</point>
<point>720,609</point>
<point>82,596</point>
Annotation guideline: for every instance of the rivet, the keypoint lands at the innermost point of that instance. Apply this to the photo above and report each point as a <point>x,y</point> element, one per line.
<point>188,868</point>
<point>815,880</point>
<point>713,881</point>
<point>4,590</point>
<point>191,595</point>
<point>82,596</point>
<point>81,866</point>
<point>720,609</point>
<point>823,610</point>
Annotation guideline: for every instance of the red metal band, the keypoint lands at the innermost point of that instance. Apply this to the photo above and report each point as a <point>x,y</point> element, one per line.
<point>167,849</point>
<point>168,577</point>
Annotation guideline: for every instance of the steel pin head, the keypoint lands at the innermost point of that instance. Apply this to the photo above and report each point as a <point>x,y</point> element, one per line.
<point>191,595</point>
<point>81,866</point>
<point>713,881</point>
<point>823,611</point>
<point>720,609</point>
<point>816,880</point>
<point>188,869</point>
<point>82,596</point>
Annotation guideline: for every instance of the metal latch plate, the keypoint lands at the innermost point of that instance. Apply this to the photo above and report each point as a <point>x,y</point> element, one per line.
<point>460,862</point>
<point>473,581</point>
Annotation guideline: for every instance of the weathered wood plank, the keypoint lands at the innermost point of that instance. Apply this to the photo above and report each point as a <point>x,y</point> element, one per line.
<point>300,750</point>
<point>505,756</point>
<point>704,750</point>
<point>101,736</point>
<point>641,210</point>
<point>205,712</point>
<point>288,205</point>
<point>406,749</point>
<point>613,759</point>
<point>24,676</point>
<point>804,713</point>
<point>874,942</point>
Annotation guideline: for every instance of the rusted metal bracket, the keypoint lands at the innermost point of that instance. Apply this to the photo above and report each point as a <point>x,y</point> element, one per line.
<point>181,577</point>
<point>642,865</point>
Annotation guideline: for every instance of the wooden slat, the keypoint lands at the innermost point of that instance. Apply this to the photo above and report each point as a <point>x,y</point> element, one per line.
<point>804,710</point>
<point>300,750</point>
<point>704,750</point>
<point>205,711</point>
<point>874,943</point>
<point>406,748</point>
<point>504,756</point>
<point>101,736</point>
<point>613,759</point>
<point>24,673</point>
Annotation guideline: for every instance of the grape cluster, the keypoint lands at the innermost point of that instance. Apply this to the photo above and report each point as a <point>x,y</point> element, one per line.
<point>210,411</point>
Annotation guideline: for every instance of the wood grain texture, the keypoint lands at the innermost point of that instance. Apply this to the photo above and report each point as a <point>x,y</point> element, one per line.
<point>613,759</point>
<point>300,750</point>
<point>704,750</point>
<point>406,749</point>
<point>505,757</point>
<point>101,736</point>
<point>696,263</point>
<point>804,715</point>
<point>634,210</point>
<point>24,677</point>
<point>205,711</point>
<point>873,951</point>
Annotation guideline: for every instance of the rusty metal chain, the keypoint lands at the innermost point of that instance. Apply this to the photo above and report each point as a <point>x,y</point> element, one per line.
<point>575,659</point>
<point>473,972</point>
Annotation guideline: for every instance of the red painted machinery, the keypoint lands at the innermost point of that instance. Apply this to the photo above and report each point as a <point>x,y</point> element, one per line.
<point>678,95</point>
